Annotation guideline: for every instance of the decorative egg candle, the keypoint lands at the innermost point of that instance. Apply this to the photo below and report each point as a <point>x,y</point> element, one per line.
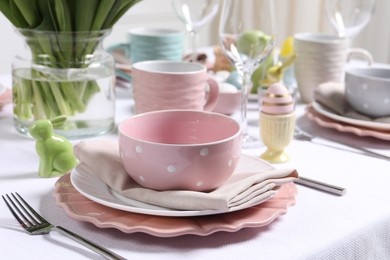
<point>277,122</point>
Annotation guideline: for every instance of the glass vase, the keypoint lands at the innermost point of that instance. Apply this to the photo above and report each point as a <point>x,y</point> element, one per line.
<point>64,74</point>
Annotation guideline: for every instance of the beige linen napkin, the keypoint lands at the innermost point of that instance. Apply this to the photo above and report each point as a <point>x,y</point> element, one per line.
<point>332,96</point>
<point>243,189</point>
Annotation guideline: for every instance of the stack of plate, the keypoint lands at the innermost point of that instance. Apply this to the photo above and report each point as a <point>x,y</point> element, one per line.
<point>327,118</point>
<point>85,197</point>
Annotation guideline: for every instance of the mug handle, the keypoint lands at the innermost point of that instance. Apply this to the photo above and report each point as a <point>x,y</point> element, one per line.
<point>362,53</point>
<point>212,96</point>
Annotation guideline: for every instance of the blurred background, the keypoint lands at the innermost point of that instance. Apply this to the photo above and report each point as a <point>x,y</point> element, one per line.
<point>291,15</point>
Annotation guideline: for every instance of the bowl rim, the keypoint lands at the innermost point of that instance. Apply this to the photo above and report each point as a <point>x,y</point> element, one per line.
<point>238,132</point>
<point>355,72</point>
<point>149,66</point>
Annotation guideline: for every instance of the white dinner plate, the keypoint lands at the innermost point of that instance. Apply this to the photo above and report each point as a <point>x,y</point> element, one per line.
<point>96,190</point>
<point>363,123</point>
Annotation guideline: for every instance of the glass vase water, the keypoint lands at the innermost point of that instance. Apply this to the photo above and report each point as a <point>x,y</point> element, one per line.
<point>65,74</point>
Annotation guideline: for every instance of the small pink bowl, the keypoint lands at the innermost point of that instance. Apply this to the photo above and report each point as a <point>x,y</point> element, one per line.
<point>228,102</point>
<point>180,149</point>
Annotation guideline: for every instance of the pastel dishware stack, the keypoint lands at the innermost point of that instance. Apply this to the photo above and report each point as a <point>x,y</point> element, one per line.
<point>321,58</point>
<point>161,85</point>
<point>277,123</point>
<point>180,149</point>
<point>331,109</point>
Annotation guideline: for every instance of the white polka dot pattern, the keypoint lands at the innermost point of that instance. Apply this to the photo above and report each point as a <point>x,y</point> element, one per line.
<point>230,162</point>
<point>138,149</point>
<point>201,160</point>
<point>171,169</point>
<point>204,152</point>
<point>199,183</point>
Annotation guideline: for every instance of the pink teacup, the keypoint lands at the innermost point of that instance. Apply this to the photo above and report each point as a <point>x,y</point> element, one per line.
<point>161,85</point>
<point>180,149</point>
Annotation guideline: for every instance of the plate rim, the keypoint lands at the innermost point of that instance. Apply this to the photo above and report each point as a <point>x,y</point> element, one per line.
<point>327,122</point>
<point>367,124</point>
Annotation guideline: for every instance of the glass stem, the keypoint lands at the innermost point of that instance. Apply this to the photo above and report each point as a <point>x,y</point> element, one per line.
<point>193,46</point>
<point>246,86</point>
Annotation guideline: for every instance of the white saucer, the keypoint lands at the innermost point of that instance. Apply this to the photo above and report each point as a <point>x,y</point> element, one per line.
<point>367,124</point>
<point>94,189</point>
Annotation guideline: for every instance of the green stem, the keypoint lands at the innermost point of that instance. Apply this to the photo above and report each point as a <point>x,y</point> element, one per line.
<point>70,90</point>
<point>62,105</point>
<point>23,98</point>
<point>39,104</point>
<point>49,99</point>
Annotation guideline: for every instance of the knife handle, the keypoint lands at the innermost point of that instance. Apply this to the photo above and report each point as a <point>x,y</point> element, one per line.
<point>321,186</point>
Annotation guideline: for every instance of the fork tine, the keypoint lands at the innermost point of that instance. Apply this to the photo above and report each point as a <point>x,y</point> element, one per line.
<point>24,211</point>
<point>36,214</point>
<point>21,222</point>
<point>23,207</point>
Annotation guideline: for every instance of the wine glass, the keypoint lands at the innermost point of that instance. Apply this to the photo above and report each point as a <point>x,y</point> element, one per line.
<point>195,14</point>
<point>349,17</point>
<point>247,34</point>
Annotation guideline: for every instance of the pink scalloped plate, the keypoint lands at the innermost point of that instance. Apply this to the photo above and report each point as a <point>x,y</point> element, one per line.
<point>345,127</point>
<point>80,208</point>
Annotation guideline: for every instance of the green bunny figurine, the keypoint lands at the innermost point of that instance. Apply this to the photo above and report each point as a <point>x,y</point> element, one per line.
<point>55,152</point>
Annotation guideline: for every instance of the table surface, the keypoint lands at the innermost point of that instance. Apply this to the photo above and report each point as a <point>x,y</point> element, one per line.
<point>319,226</point>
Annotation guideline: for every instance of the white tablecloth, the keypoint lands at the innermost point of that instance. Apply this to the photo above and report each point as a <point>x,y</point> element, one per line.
<point>319,226</point>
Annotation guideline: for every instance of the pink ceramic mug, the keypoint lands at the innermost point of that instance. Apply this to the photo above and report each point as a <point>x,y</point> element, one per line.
<point>162,85</point>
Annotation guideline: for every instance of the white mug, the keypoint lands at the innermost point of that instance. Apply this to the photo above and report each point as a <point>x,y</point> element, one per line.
<point>321,58</point>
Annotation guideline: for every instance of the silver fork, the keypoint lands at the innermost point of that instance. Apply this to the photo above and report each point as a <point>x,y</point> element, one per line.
<point>299,134</point>
<point>35,224</point>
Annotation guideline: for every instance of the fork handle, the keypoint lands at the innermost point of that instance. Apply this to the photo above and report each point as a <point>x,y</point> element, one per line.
<point>94,247</point>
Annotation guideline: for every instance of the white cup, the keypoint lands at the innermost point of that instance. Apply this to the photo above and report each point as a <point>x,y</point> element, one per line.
<point>322,58</point>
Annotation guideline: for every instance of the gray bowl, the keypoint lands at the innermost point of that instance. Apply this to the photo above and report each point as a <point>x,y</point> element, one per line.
<point>368,91</point>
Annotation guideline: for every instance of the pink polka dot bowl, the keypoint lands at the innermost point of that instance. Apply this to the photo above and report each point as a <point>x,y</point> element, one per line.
<point>180,149</point>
